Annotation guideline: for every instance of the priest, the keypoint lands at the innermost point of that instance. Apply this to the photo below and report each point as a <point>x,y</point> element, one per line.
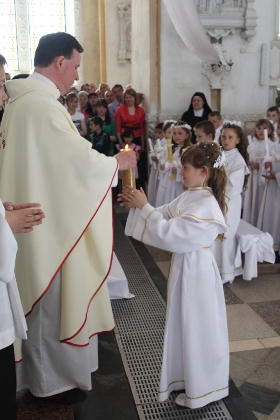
<point>62,266</point>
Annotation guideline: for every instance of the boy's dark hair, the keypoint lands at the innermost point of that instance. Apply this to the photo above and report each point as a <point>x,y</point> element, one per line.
<point>273,108</point>
<point>92,94</point>
<point>54,45</point>
<point>159,126</point>
<point>21,76</point>
<point>215,114</point>
<point>207,127</point>
<point>97,121</point>
<point>117,86</point>
<point>3,61</point>
<point>127,132</point>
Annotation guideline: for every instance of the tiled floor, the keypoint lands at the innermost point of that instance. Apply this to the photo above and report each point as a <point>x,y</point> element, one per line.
<point>253,309</point>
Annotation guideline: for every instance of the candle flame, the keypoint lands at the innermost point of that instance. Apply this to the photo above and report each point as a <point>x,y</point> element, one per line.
<point>126,147</point>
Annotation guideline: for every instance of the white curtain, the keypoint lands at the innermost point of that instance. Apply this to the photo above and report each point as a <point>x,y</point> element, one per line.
<point>184,16</point>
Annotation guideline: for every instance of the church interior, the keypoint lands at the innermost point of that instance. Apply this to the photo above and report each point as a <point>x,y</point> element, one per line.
<point>167,50</point>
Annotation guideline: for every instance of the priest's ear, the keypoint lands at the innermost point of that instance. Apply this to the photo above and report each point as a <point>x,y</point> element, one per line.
<point>59,62</point>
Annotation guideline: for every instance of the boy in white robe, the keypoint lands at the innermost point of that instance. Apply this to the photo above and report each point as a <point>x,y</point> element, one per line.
<point>195,354</point>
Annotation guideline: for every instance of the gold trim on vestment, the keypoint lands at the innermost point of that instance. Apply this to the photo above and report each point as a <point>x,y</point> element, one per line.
<point>201,218</point>
<point>194,398</point>
<point>169,211</point>
<point>145,226</point>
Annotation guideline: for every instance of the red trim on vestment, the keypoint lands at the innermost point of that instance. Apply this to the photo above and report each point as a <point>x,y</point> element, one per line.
<point>84,345</point>
<point>18,361</point>
<point>65,341</point>
<point>49,285</point>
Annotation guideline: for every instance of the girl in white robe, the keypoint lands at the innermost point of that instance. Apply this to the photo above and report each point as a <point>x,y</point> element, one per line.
<point>253,195</point>
<point>162,157</point>
<point>269,216</point>
<point>234,143</point>
<point>195,354</point>
<point>154,163</point>
<point>181,138</point>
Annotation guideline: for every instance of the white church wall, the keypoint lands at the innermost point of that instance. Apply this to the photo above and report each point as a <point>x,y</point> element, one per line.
<point>242,96</point>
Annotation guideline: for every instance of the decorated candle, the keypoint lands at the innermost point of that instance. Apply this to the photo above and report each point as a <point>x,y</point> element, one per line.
<point>158,144</point>
<point>128,176</point>
<point>267,154</point>
<point>170,156</point>
<point>150,146</point>
<point>250,141</point>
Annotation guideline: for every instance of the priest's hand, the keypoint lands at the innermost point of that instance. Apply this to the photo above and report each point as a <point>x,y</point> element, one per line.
<point>126,160</point>
<point>136,198</point>
<point>24,219</point>
<point>9,206</point>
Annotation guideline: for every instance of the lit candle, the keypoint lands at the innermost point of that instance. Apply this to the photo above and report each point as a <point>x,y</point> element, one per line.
<point>128,176</point>
<point>250,141</point>
<point>170,156</point>
<point>158,144</point>
<point>267,154</point>
<point>150,146</point>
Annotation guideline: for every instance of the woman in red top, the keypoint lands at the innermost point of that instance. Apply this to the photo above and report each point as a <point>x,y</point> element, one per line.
<point>132,116</point>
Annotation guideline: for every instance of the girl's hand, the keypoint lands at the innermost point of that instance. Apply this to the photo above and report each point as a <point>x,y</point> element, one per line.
<point>162,166</point>
<point>154,159</point>
<point>135,197</point>
<point>174,170</point>
<point>270,175</point>
<point>255,165</point>
<point>268,165</point>
<point>122,199</point>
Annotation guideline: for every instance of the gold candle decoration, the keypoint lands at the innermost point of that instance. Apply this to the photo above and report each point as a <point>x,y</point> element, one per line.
<point>128,176</point>
<point>170,156</point>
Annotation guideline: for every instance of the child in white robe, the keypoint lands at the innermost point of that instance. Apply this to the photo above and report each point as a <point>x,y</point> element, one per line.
<point>162,159</point>
<point>234,143</point>
<point>253,195</point>
<point>216,118</point>
<point>195,354</point>
<point>181,138</point>
<point>272,114</point>
<point>154,163</point>
<point>269,215</point>
<point>204,131</point>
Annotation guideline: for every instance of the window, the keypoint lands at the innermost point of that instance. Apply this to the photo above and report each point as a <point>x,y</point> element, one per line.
<point>23,22</point>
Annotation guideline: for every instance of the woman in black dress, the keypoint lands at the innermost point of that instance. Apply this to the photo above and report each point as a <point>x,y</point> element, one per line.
<point>198,111</point>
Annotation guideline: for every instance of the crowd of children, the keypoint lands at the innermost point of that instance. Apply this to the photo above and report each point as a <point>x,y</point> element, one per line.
<point>253,176</point>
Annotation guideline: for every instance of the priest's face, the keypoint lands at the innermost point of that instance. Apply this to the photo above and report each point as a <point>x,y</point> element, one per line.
<point>3,95</point>
<point>69,72</point>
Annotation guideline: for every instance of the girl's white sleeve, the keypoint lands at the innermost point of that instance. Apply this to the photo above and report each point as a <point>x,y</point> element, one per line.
<point>179,234</point>
<point>8,249</point>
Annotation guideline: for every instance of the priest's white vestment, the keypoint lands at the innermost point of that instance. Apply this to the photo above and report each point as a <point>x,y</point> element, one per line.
<point>62,265</point>
<point>225,251</point>
<point>196,353</point>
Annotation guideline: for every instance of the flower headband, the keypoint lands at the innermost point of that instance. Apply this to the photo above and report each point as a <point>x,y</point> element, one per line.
<point>187,126</point>
<point>219,162</point>
<point>169,121</point>
<point>227,122</point>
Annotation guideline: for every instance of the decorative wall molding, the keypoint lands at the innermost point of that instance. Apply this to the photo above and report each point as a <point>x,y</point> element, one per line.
<point>125,33</point>
<point>222,17</point>
<point>24,60</point>
<point>243,117</point>
<point>274,65</point>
